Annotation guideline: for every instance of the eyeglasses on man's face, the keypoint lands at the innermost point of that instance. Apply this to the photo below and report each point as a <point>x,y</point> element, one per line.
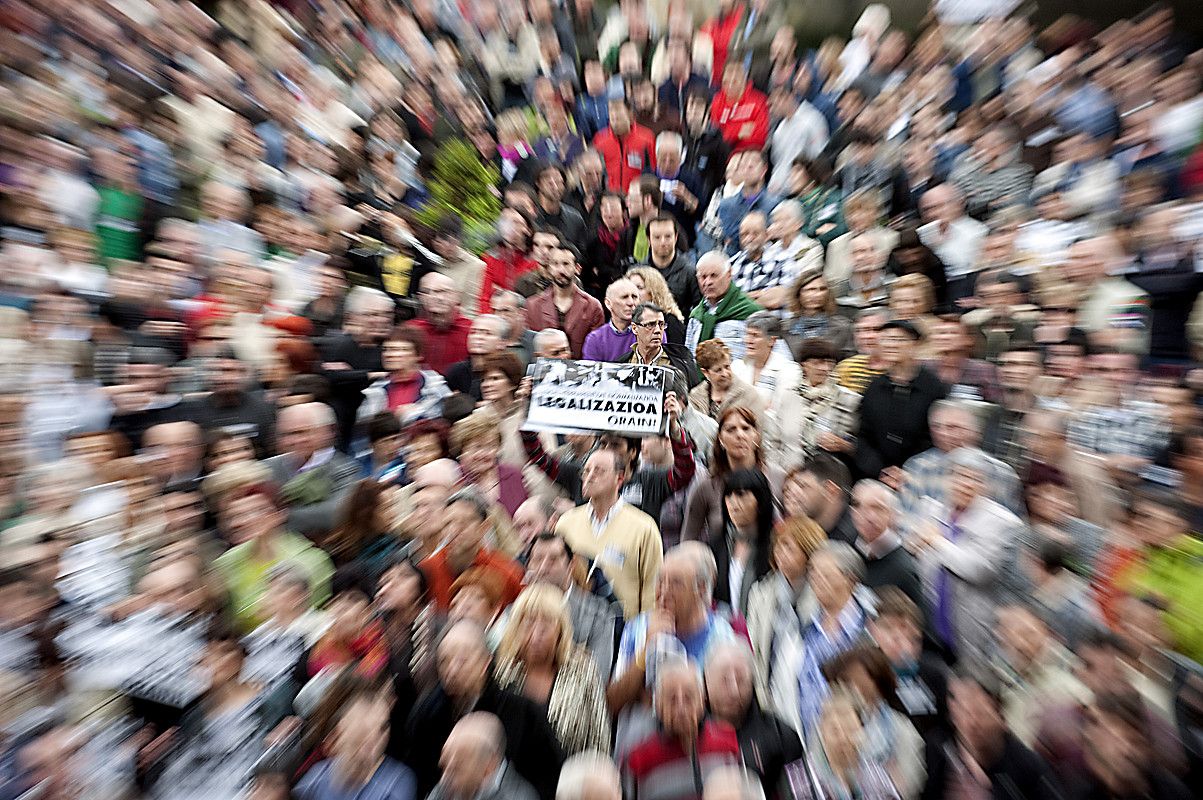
<point>653,325</point>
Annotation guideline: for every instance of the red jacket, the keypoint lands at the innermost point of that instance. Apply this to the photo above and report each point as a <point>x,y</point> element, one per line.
<point>584,315</point>
<point>720,30</point>
<point>729,116</point>
<point>627,157</point>
<point>442,347</point>
<point>440,577</point>
<point>503,266</point>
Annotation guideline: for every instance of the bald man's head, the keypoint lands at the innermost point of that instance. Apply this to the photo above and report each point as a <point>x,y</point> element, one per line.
<point>621,298</point>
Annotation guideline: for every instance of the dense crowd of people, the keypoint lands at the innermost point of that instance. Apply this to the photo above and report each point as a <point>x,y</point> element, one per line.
<point>924,517</point>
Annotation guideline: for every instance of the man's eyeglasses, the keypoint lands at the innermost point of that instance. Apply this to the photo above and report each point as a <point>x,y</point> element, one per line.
<point>653,326</point>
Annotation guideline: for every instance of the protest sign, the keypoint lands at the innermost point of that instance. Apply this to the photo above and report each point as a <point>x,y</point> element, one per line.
<point>587,396</point>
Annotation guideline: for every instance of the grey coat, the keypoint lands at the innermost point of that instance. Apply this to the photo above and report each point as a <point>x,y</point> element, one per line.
<point>595,626</point>
<point>979,563</point>
<point>316,520</point>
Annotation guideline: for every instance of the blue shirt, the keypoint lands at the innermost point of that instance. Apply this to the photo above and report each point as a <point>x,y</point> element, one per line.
<point>156,167</point>
<point>391,781</point>
<point>732,211</point>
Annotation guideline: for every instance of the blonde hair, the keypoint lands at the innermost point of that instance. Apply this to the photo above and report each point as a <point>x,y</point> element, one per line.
<point>657,289</point>
<point>480,424</point>
<point>539,600</point>
<point>916,281</point>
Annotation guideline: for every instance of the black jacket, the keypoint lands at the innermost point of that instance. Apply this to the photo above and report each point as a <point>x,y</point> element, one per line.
<point>247,414</point>
<point>893,421</point>
<point>1172,290</point>
<point>569,222</point>
<point>347,385</point>
<point>895,568</point>
<point>1017,774</point>
<point>767,744</point>
<point>706,157</point>
<point>531,747</point>
<point>461,378</point>
<point>682,278</point>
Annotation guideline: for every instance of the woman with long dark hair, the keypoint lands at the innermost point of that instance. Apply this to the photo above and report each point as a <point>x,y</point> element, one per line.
<point>364,535</point>
<point>743,554</point>
<point>739,445</point>
<point>403,604</point>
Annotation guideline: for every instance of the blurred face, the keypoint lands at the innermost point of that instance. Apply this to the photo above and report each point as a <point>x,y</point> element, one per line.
<point>719,375</point>
<point>438,295</point>
<point>840,730</point>
<point>473,604</point>
<point>542,247</point>
<point>975,717</point>
<point>865,259</point>
<point>1022,636</point>
<point>479,456</point>
<point>899,639</point>
<point>816,371</point>
<point>735,80</point>
<point>757,345</point>
<point>222,663</point>
<point>729,685</point>
<point>601,479</point>
<point>753,235</point>
<point>484,337</point>
<point>677,588</point>
<point>421,450</point>
<point>1119,371</point>
<point>495,387</point>
<point>907,302</point>
<point>400,588</point>
<point>467,529</point>
<point>662,237</point>
<point>872,513</point>
<point>513,227</point>
<point>620,119</point>
<point>462,663</point>
<point>739,438</point>
<point>362,733</point>
<point>1065,361</point>
<point>1018,370</point>
<point>895,347</point>
<point>831,586</point>
<point>400,357</point>
<point>668,158</point>
<point>679,705</point>
<point>541,639</point>
<point>1156,525</point>
<point>789,558</point>
<point>299,434</point>
<point>376,320</point>
<point>561,268</point>
<point>621,299</point>
<point>742,508</point>
<point>229,451</point>
<point>964,486</point>
<point>349,615</point>
<point>714,279</point>
<point>612,213</point>
<point>251,517</point>
<point>951,429</point>
<point>548,562</point>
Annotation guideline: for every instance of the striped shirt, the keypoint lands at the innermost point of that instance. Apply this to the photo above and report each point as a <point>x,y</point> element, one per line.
<point>854,373</point>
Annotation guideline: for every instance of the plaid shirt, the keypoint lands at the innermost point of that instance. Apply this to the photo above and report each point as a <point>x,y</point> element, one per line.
<point>927,476</point>
<point>766,272</point>
<point>1134,428</point>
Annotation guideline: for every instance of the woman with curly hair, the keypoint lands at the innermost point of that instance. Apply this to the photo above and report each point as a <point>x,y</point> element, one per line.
<point>654,289</point>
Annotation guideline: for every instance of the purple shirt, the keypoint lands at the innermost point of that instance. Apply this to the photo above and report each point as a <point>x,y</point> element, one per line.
<point>607,344</point>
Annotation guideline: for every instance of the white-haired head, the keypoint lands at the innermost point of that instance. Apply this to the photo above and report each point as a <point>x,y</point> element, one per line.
<point>589,776</point>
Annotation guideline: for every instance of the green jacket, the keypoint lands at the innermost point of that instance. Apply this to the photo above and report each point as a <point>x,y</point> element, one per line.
<point>735,306</point>
<point>246,577</point>
<point>1175,575</point>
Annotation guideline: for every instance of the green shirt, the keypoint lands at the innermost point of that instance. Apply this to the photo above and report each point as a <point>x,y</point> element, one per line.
<point>117,224</point>
<point>246,577</point>
<point>1175,575</point>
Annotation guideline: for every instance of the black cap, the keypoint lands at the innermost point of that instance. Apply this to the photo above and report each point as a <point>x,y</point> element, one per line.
<point>903,325</point>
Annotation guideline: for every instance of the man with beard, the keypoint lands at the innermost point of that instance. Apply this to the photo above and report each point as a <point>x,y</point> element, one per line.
<point>565,305</point>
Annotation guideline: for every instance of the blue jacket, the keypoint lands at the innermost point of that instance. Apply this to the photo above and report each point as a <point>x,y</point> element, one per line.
<point>592,114</point>
<point>732,211</point>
